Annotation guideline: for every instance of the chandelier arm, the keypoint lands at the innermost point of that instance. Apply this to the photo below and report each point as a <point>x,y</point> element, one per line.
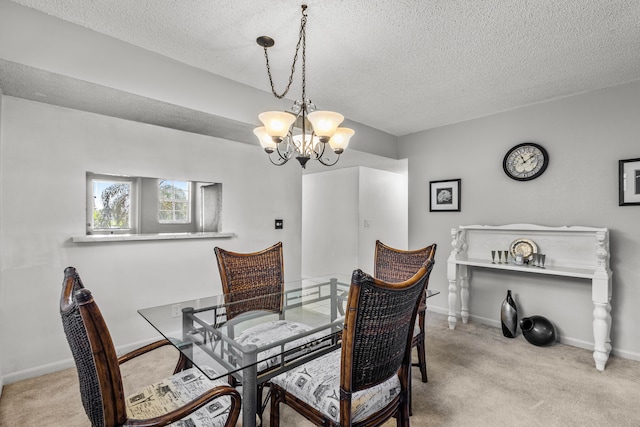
<point>284,160</point>
<point>329,163</point>
<point>318,156</point>
<point>288,154</point>
<point>301,38</point>
<point>312,148</point>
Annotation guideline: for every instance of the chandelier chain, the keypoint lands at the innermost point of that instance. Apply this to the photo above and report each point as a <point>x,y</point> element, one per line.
<point>301,40</point>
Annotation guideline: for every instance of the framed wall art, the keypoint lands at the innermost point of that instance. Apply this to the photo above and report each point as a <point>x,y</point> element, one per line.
<point>629,182</point>
<point>444,196</point>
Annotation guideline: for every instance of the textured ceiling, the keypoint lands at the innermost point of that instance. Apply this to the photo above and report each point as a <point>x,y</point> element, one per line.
<point>400,66</point>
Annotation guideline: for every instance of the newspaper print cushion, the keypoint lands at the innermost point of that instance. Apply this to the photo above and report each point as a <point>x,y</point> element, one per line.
<point>317,383</point>
<point>270,332</point>
<point>176,391</point>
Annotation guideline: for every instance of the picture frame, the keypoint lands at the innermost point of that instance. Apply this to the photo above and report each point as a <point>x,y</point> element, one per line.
<point>444,195</point>
<point>629,182</point>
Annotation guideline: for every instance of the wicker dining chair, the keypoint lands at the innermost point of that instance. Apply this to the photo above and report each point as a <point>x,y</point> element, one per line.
<point>246,277</point>
<point>366,381</point>
<point>255,281</point>
<point>396,265</point>
<point>186,398</point>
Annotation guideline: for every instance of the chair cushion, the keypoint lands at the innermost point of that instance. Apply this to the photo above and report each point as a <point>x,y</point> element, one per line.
<point>270,332</point>
<point>176,391</point>
<point>317,383</point>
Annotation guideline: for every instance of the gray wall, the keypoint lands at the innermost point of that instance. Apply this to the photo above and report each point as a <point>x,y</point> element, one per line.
<point>585,136</point>
<point>46,152</point>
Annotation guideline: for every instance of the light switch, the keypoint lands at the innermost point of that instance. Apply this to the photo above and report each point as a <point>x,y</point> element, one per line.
<point>279,224</point>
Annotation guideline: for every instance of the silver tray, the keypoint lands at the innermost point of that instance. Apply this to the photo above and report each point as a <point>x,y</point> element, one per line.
<point>524,247</point>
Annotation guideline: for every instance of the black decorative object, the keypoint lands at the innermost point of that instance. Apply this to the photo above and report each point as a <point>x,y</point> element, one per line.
<point>538,330</point>
<point>509,316</point>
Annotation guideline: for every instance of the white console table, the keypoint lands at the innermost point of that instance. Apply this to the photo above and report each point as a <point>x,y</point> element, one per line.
<point>581,252</point>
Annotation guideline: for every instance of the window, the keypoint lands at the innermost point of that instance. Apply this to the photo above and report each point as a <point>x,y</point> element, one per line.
<point>111,204</point>
<point>174,206</point>
<point>141,205</point>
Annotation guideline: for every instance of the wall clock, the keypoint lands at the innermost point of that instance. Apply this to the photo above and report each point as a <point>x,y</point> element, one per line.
<point>525,161</point>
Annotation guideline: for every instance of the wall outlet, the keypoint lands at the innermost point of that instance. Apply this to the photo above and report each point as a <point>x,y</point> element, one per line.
<point>367,223</point>
<point>176,311</point>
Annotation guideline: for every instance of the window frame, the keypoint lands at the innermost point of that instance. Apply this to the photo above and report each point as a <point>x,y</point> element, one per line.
<point>133,203</point>
<point>189,201</point>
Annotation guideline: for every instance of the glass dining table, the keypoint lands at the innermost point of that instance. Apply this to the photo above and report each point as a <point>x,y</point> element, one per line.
<point>209,332</point>
<point>201,330</point>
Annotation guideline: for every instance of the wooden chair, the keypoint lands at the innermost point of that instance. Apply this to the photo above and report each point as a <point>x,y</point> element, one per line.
<point>255,281</point>
<point>187,396</point>
<point>366,381</point>
<point>395,265</point>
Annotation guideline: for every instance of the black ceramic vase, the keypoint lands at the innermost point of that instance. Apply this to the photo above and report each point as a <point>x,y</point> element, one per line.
<point>538,330</point>
<point>509,316</point>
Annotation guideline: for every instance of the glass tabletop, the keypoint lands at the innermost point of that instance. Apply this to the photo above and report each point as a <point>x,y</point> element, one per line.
<point>226,334</point>
<point>272,332</point>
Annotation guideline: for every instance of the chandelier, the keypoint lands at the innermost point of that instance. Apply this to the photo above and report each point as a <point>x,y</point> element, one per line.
<point>304,132</point>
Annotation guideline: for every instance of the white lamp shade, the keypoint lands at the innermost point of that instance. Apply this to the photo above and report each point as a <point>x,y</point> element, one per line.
<point>277,123</point>
<point>264,138</point>
<point>325,123</point>
<point>340,138</point>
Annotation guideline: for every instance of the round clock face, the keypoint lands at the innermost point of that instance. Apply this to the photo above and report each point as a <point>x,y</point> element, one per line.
<point>525,161</point>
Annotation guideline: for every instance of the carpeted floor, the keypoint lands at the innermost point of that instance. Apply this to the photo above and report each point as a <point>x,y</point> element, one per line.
<point>476,378</point>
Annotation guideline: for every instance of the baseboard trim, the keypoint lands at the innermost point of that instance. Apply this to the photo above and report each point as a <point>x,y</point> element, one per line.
<point>60,365</point>
<point>574,342</point>
<point>626,354</point>
<point>37,371</point>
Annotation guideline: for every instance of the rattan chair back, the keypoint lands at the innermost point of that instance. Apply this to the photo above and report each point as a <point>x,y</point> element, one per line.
<point>252,281</point>
<point>94,354</point>
<point>396,265</point>
<point>377,335</point>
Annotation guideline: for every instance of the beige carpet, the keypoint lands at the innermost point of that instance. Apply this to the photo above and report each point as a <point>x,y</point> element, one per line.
<point>476,378</point>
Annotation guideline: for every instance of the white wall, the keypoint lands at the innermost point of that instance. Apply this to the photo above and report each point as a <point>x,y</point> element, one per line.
<point>383,202</point>
<point>585,136</point>
<point>46,152</point>
<point>330,222</point>
<point>335,205</point>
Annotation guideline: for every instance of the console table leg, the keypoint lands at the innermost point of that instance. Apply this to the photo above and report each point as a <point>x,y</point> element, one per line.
<point>601,334</point>
<point>452,304</point>
<point>464,293</point>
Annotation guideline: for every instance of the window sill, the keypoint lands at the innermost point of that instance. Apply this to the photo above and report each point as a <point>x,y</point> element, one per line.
<point>98,238</point>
